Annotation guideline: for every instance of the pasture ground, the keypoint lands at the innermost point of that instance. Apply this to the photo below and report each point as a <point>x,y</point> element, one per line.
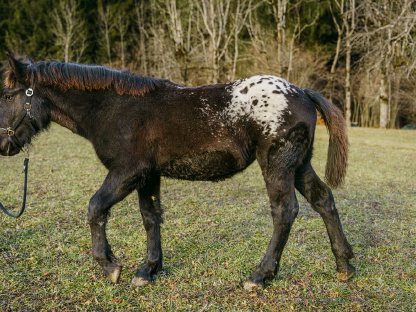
<point>213,236</point>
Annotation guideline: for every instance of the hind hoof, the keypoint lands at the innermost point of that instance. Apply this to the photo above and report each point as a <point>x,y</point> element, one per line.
<point>139,281</point>
<point>252,286</point>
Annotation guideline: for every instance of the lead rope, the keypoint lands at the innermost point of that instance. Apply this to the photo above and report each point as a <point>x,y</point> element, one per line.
<point>22,209</point>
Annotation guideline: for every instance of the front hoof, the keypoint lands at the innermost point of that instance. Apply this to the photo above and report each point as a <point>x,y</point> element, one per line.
<point>252,286</point>
<point>113,273</point>
<point>344,276</point>
<point>139,281</point>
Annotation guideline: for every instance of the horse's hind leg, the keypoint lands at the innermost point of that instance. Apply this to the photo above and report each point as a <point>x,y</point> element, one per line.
<point>284,208</point>
<point>151,211</point>
<point>278,164</point>
<point>319,195</point>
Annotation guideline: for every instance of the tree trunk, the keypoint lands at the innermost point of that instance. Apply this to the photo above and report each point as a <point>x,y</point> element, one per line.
<point>348,79</point>
<point>107,40</point>
<point>280,15</point>
<point>122,28</point>
<point>349,23</point>
<point>142,56</point>
<point>384,102</point>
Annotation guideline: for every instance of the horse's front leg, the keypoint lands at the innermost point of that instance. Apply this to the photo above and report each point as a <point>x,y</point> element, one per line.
<point>113,190</point>
<point>151,211</point>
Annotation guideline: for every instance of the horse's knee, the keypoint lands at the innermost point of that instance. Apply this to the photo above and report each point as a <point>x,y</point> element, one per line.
<point>151,211</point>
<point>96,210</point>
<point>285,211</point>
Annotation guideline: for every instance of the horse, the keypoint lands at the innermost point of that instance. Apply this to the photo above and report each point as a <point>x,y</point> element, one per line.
<point>143,128</point>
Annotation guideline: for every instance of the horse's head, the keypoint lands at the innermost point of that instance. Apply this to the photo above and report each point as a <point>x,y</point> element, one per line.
<point>23,112</point>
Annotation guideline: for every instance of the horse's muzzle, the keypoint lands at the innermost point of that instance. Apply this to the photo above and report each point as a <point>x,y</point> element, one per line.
<point>7,148</point>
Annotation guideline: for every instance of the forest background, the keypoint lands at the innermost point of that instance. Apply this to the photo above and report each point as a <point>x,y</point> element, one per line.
<point>361,54</point>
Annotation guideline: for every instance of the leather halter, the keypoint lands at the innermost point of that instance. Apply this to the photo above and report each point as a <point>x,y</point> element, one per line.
<point>27,106</point>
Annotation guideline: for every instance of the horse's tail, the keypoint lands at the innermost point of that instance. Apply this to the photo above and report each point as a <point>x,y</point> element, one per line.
<point>336,164</point>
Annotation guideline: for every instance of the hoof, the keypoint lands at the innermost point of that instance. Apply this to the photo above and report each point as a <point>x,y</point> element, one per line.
<point>114,276</point>
<point>346,275</point>
<point>139,281</point>
<point>251,286</point>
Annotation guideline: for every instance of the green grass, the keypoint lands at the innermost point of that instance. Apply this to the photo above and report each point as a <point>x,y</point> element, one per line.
<point>213,236</point>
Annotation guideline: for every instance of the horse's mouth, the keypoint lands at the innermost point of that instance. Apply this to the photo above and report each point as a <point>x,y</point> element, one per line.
<point>7,148</point>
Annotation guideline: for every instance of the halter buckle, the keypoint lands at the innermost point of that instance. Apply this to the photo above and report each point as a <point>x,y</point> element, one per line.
<point>29,92</point>
<point>10,132</point>
<point>28,107</point>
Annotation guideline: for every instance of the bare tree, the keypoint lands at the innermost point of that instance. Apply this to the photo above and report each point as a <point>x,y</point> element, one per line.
<point>121,26</point>
<point>297,31</point>
<point>143,36</point>
<point>214,33</point>
<point>387,37</point>
<point>179,25</point>
<point>157,48</point>
<point>337,7</point>
<point>69,30</point>
<point>279,11</point>
<point>243,9</point>
<point>346,10</point>
<point>106,17</point>
<point>349,21</point>
<point>257,38</point>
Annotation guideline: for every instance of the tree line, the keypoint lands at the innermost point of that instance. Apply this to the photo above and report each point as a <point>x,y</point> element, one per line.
<point>359,53</point>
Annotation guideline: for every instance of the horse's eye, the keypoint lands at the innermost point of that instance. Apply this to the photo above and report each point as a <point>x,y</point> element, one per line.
<point>8,97</point>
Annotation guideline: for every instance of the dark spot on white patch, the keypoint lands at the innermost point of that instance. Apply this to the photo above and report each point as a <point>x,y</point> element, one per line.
<point>244,91</point>
<point>263,96</point>
<point>255,102</point>
<point>251,84</point>
<point>258,82</point>
<point>270,82</point>
<point>276,92</point>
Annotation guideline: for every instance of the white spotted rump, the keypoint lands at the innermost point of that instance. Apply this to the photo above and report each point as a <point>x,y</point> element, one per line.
<point>261,98</point>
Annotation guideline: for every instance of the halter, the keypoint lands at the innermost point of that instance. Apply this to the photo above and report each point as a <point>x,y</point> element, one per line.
<point>10,131</point>
<point>27,106</point>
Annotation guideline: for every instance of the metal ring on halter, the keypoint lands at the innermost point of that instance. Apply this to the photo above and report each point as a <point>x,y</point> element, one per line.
<point>29,92</point>
<point>10,131</point>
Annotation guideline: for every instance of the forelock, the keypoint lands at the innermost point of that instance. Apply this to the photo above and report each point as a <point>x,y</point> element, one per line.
<point>9,79</point>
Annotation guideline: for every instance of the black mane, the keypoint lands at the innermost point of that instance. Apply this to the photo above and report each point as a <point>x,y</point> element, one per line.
<point>87,77</point>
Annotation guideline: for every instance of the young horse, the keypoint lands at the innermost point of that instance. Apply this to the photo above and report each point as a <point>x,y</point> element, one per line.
<point>143,128</point>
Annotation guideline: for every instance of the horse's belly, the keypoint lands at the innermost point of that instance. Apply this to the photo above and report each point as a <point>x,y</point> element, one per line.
<point>212,166</point>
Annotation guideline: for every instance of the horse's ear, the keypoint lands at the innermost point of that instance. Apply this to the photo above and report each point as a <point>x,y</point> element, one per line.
<point>18,68</point>
<point>29,60</point>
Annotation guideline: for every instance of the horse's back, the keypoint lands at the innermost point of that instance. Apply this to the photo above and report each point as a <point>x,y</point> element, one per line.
<point>212,132</point>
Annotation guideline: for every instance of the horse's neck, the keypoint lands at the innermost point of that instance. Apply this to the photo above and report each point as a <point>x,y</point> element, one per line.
<point>65,113</point>
<point>64,120</point>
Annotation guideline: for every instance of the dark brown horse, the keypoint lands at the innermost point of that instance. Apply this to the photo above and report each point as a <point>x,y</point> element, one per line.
<point>144,128</point>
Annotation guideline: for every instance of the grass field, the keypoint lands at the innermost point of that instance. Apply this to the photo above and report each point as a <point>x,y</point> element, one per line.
<point>213,236</point>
